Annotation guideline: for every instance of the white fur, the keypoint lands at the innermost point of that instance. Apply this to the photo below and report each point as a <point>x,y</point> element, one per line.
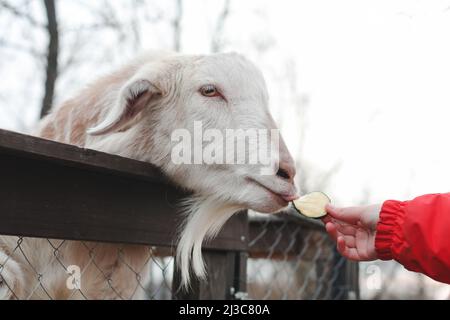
<point>211,214</point>
<point>132,112</point>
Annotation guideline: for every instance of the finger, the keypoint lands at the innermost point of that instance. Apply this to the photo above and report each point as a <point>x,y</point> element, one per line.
<point>331,229</point>
<point>346,229</point>
<point>341,245</point>
<point>368,248</point>
<point>353,254</point>
<point>326,219</point>
<point>349,253</point>
<point>349,215</point>
<point>350,241</point>
<point>364,240</point>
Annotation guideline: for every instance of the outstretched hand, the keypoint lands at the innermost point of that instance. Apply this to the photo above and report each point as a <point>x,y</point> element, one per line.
<point>353,229</point>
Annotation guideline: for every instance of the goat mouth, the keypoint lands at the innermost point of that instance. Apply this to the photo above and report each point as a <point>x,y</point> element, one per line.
<point>281,198</point>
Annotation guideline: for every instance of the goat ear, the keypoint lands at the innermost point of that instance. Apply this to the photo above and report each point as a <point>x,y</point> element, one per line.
<point>133,98</point>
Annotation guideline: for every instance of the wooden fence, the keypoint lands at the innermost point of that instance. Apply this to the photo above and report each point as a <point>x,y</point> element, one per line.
<point>60,191</point>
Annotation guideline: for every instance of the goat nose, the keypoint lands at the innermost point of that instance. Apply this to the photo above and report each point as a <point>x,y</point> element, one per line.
<point>286,171</point>
<point>286,165</point>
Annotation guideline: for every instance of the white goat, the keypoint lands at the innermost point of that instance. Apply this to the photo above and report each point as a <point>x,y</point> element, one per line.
<point>133,112</point>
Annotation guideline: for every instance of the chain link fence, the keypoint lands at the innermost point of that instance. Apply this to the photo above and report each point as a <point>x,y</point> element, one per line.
<point>293,258</point>
<point>46,263</point>
<point>287,259</point>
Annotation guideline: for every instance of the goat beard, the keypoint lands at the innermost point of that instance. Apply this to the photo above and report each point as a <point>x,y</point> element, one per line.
<point>205,216</point>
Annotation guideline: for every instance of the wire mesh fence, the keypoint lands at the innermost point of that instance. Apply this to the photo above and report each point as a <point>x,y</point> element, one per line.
<point>298,261</point>
<point>32,268</point>
<point>287,260</point>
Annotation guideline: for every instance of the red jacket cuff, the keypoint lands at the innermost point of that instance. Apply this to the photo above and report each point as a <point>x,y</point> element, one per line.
<point>388,234</point>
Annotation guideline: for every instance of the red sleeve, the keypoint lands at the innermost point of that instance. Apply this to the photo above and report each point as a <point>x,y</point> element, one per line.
<point>416,233</point>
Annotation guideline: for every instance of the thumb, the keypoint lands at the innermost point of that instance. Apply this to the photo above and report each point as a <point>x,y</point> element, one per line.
<point>348,215</point>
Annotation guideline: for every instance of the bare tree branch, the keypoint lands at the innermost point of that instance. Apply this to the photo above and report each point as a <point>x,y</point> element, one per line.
<point>217,37</point>
<point>52,57</point>
<point>25,49</point>
<point>20,14</point>
<point>177,25</point>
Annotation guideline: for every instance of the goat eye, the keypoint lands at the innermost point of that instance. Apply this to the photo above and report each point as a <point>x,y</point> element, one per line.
<point>209,91</point>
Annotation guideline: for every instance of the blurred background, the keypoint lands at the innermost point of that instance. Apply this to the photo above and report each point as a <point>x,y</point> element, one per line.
<point>360,89</point>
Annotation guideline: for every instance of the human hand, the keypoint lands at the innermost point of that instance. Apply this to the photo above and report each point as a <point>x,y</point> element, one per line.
<point>353,229</point>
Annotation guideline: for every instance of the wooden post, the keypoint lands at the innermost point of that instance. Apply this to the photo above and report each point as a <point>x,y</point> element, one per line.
<point>346,284</point>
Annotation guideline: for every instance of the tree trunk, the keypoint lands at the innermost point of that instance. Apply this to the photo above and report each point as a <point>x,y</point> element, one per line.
<point>52,57</point>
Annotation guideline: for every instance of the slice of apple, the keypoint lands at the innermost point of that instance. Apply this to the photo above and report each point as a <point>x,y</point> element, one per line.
<point>312,205</point>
